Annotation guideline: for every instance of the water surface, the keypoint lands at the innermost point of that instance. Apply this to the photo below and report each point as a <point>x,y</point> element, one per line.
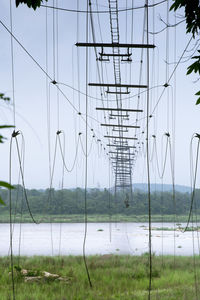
<point>67,239</point>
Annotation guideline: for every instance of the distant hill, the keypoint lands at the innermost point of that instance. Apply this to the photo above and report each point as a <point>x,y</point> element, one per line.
<point>158,187</point>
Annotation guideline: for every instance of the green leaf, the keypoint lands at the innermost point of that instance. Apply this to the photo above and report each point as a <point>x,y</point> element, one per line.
<point>195,67</point>
<point>6,126</point>
<point>6,185</point>
<point>198,101</point>
<point>1,138</point>
<point>1,201</point>
<point>198,93</point>
<point>2,97</point>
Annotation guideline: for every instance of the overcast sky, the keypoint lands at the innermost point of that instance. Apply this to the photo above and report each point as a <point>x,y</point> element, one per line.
<point>66,64</point>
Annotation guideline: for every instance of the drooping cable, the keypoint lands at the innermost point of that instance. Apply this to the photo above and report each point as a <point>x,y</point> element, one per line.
<point>62,151</point>
<point>104,12</point>
<point>90,149</point>
<point>194,183</point>
<point>50,192</point>
<point>14,135</point>
<point>161,171</point>
<point>62,186</point>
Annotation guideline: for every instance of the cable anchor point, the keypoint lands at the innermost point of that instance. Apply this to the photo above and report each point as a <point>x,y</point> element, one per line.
<point>15,133</point>
<point>197,135</point>
<point>54,81</point>
<point>166,85</point>
<point>58,132</point>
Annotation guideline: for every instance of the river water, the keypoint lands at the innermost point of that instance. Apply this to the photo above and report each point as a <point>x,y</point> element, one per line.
<point>102,238</point>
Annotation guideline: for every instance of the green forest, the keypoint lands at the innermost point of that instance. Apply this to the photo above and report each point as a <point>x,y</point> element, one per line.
<point>101,202</point>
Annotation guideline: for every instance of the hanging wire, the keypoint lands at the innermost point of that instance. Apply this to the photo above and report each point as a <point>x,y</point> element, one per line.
<point>86,157</point>
<point>10,156</point>
<point>162,172</point>
<point>45,72</point>
<point>104,12</point>
<point>11,229</point>
<point>12,64</point>
<point>147,156</point>
<point>109,204</point>
<point>62,151</point>
<point>194,181</point>
<point>14,135</point>
<point>22,200</point>
<point>90,149</point>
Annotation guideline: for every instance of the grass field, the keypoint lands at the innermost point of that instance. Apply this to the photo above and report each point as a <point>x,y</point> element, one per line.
<point>4,218</point>
<point>113,277</point>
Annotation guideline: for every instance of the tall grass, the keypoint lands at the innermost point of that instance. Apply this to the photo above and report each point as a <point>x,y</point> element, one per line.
<point>113,277</point>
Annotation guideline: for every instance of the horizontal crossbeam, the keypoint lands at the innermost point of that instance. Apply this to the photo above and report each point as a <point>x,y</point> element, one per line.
<point>116,54</point>
<point>114,145</point>
<point>116,45</point>
<point>121,159</point>
<point>117,93</point>
<point>122,126</point>
<point>121,153</point>
<point>119,130</point>
<point>122,173</point>
<point>120,137</point>
<point>120,116</point>
<point>119,109</point>
<point>125,185</point>
<point>117,85</point>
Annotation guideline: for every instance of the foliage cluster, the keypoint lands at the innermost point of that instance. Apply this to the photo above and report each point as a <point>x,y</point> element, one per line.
<point>101,202</point>
<point>192,16</point>
<point>30,3</point>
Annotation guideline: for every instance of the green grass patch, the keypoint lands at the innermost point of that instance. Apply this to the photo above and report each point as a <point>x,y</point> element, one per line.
<point>113,277</point>
<point>93,218</point>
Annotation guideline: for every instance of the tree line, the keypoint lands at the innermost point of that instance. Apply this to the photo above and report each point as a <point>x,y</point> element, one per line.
<point>71,201</point>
